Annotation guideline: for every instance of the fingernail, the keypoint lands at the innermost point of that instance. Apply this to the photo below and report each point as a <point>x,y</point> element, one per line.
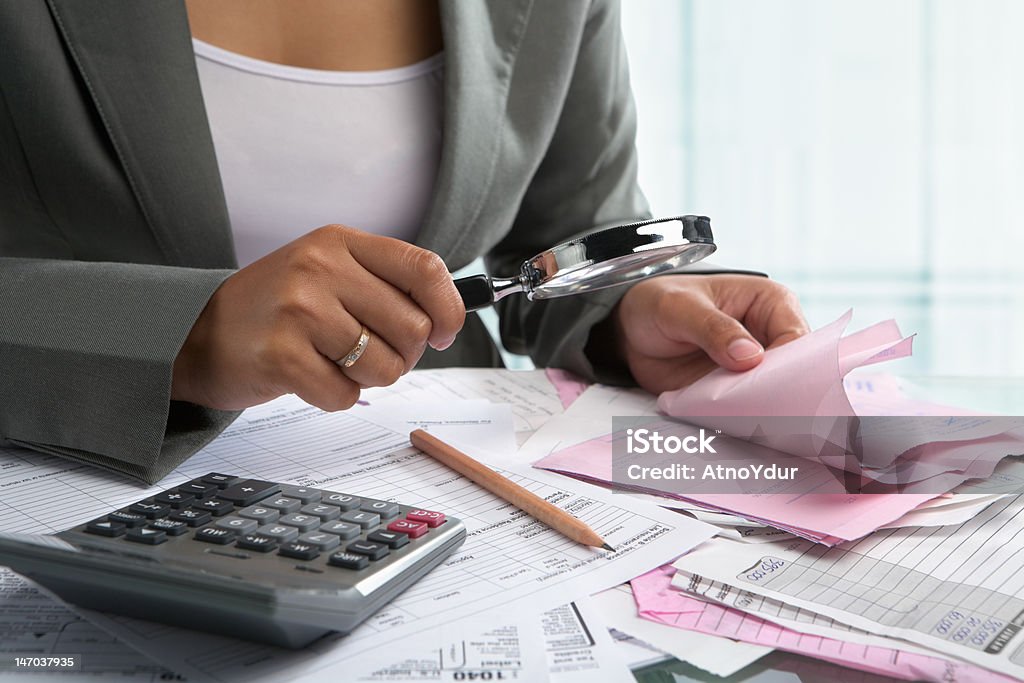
<point>443,345</point>
<point>743,349</point>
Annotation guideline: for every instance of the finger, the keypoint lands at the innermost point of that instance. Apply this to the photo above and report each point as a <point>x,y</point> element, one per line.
<point>321,383</point>
<point>697,320</point>
<point>419,273</point>
<point>670,374</point>
<point>782,319</point>
<point>379,365</point>
<point>397,319</point>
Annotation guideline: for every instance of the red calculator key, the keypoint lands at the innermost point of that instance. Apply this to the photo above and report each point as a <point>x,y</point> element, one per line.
<point>430,518</point>
<point>411,529</point>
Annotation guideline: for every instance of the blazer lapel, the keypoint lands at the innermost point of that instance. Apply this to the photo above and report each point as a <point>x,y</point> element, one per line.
<point>137,62</point>
<point>481,41</point>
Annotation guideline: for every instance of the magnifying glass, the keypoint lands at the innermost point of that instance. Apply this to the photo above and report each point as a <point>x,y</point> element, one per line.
<point>625,253</point>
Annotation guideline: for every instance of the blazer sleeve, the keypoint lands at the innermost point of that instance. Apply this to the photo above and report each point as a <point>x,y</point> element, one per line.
<point>586,180</point>
<point>86,351</point>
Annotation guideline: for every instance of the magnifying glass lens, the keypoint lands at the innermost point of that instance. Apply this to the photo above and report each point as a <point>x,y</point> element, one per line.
<point>602,259</point>
<point>619,270</point>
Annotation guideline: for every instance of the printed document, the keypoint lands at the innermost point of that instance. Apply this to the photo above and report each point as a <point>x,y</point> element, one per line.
<point>958,590</point>
<point>508,557</point>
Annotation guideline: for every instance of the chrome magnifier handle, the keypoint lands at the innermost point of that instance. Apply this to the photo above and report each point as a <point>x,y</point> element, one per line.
<point>626,253</point>
<point>481,291</point>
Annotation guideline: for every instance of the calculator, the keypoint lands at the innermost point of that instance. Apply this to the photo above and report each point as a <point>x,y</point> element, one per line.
<point>252,559</point>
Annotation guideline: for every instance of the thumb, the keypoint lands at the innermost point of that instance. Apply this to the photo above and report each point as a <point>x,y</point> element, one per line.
<point>718,334</point>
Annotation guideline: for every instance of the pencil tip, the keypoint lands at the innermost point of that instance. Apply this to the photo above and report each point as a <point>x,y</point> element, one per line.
<point>608,547</point>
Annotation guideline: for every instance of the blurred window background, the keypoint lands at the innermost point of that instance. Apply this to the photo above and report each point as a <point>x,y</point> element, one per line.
<point>867,153</point>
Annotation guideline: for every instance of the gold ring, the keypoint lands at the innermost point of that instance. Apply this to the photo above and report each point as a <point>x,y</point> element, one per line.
<point>357,351</point>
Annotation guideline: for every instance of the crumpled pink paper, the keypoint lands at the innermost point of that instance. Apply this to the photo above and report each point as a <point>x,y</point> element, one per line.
<point>801,378</point>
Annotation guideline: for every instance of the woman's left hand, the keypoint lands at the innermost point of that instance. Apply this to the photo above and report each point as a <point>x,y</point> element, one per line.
<point>672,330</point>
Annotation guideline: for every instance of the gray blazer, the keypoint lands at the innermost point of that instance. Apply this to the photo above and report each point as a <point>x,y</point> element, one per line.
<point>114,232</point>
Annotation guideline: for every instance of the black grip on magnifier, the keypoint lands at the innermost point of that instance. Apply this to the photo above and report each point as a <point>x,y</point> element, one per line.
<point>476,292</point>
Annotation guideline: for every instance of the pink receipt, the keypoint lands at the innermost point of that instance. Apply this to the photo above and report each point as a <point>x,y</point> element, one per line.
<point>657,601</point>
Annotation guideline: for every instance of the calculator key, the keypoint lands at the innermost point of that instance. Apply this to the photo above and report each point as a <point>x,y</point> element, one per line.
<point>383,508</point>
<point>221,481</point>
<point>431,518</point>
<point>322,540</point>
<point>348,560</point>
<point>108,528</point>
<point>198,489</point>
<point>169,526</point>
<point>299,550</point>
<point>301,522</point>
<point>249,491</point>
<point>363,519</point>
<point>147,536</point>
<point>260,513</point>
<point>258,542</point>
<point>212,534</point>
<point>408,527</point>
<point>283,503</point>
<point>346,531</point>
<point>326,513</point>
<point>391,539</point>
<point>191,517</point>
<point>217,508</point>
<point>129,519</point>
<point>175,499</point>
<point>279,532</point>
<point>239,524</point>
<point>151,510</point>
<point>303,493</point>
<point>374,551</point>
<point>342,500</point>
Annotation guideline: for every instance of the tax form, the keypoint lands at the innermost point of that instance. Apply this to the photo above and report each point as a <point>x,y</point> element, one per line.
<point>34,624</point>
<point>532,394</point>
<point>567,644</point>
<point>958,590</point>
<point>508,557</point>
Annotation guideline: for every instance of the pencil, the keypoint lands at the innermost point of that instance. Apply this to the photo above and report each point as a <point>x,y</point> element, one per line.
<point>532,504</point>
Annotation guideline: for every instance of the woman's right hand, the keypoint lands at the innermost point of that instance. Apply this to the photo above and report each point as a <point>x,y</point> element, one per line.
<point>278,325</point>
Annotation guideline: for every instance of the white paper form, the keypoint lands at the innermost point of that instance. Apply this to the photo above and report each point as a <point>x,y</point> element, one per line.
<point>482,423</point>
<point>636,652</point>
<point>579,648</point>
<point>530,393</point>
<point>480,648</point>
<point>714,654</point>
<point>567,644</point>
<point>784,614</point>
<point>34,624</point>
<point>508,556</point>
<point>485,646</point>
<point>958,590</point>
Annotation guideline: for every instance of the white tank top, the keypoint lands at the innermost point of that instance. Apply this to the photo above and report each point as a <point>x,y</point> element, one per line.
<point>300,148</point>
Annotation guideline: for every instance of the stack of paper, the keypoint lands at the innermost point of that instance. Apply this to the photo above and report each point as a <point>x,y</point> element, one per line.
<point>956,591</point>
<point>826,518</point>
<point>940,600</point>
<point>684,602</point>
<point>935,457</point>
<point>922,446</point>
<point>513,579</point>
